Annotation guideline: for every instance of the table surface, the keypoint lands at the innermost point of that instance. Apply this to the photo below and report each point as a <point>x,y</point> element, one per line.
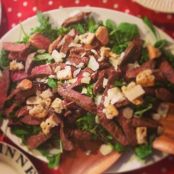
<point>15,11</point>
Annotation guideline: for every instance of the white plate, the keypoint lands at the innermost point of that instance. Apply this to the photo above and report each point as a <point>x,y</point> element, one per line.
<point>12,161</point>
<point>128,162</point>
<point>166,6</point>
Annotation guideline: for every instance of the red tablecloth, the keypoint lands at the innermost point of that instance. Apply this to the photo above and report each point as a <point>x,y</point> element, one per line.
<point>14,11</point>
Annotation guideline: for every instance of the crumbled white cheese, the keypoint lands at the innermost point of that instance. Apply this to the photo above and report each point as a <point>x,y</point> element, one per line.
<point>97,119</point>
<point>141,135</point>
<point>64,74</point>
<point>73,44</point>
<point>114,95</point>
<point>14,65</point>
<point>106,149</point>
<point>93,64</point>
<point>156,116</point>
<point>38,111</point>
<point>42,80</point>
<point>84,91</point>
<point>58,56</point>
<point>87,38</point>
<point>105,82</point>
<point>57,105</point>
<point>46,94</point>
<point>80,65</point>
<point>132,91</point>
<point>116,60</point>
<point>86,78</point>
<point>110,111</point>
<point>48,124</point>
<point>94,51</point>
<point>133,65</point>
<point>34,100</point>
<point>76,72</point>
<point>104,52</point>
<point>98,99</point>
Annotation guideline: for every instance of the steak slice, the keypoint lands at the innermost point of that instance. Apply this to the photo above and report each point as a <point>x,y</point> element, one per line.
<point>36,140</point>
<point>167,71</point>
<point>42,70</point>
<point>4,86</point>
<point>81,100</point>
<point>75,19</point>
<point>15,47</point>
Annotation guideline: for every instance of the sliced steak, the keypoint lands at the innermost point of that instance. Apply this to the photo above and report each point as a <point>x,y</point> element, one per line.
<point>54,44</point>
<point>18,75</point>
<point>132,52</point>
<point>29,120</point>
<point>111,127</point>
<point>167,71</point>
<point>140,122</point>
<point>29,62</point>
<point>80,135</point>
<point>4,86</point>
<point>36,140</point>
<point>164,95</point>
<point>42,70</point>
<point>81,100</point>
<point>15,47</point>
<point>132,73</point>
<point>21,112</point>
<point>75,19</point>
<point>40,41</point>
<point>128,129</point>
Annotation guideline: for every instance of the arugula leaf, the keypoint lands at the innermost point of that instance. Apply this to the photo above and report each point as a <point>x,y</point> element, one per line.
<point>143,151</point>
<point>118,49</point>
<point>4,61</point>
<point>45,27</point>
<point>161,43</point>
<point>151,26</point>
<point>24,131</point>
<point>119,83</point>
<point>86,122</point>
<point>91,25</point>
<point>145,107</point>
<point>79,27</point>
<point>52,83</point>
<point>62,30</point>
<point>110,24</point>
<point>90,90</point>
<point>169,56</point>
<point>128,30</point>
<point>140,110</point>
<point>118,147</point>
<point>41,57</point>
<point>53,158</point>
<point>26,36</point>
<point>144,56</point>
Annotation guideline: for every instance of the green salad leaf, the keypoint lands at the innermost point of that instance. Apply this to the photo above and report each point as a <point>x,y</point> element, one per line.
<point>118,147</point>
<point>140,110</point>
<point>24,131</point>
<point>161,43</point>
<point>45,27</point>
<point>91,25</point>
<point>43,56</point>
<point>110,25</point>
<point>118,49</point>
<point>144,56</point>
<point>62,30</point>
<point>4,61</point>
<point>151,26</point>
<point>52,83</point>
<point>119,83</point>
<point>52,157</point>
<point>86,122</point>
<point>143,151</point>
<point>90,90</point>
